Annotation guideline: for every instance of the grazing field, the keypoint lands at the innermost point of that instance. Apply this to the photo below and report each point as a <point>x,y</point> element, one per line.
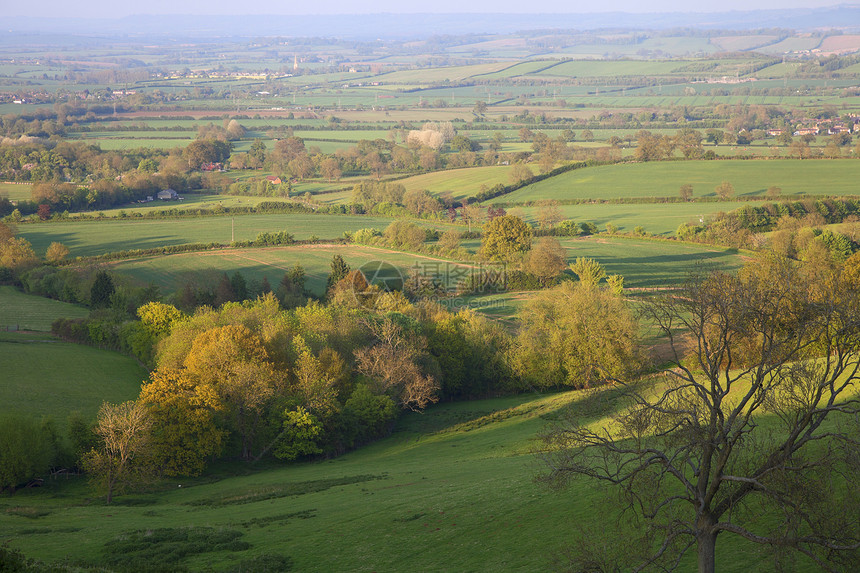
<point>15,191</point>
<point>645,263</point>
<point>28,312</point>
<point>434,75</point>
<point>655,218</point>
<point>89,238</point>
<point>45,377</point>
<point>451,490</point>
<point>460,183</point>
<point>664,178</point>
<point>204,268</point>
<point>648,264</point>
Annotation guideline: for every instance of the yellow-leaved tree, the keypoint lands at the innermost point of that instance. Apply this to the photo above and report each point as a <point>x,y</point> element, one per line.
<point>183,409</point>
<point>234,361</point>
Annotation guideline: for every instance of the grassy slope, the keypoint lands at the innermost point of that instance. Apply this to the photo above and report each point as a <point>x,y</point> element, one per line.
<point>44,377</point>
<point>459,182</point>
<point>87,238</point>
<point>171,271</point>
<point>655,218</point>
<point>663,179</point>
<point>455,492</point>
<point>29,312</point>
<point>16,192</point>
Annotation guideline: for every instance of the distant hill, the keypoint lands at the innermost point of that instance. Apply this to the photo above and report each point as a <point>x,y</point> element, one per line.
<point>400,26</point>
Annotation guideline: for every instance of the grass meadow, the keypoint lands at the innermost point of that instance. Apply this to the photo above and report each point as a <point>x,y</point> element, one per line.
<point>26,312</point>
<point>172,271</point>
<point>89,238</point>
<point>656,218</point>
<point>16,192</point>
<point>42,376</point>
<point>452,489</point>
<point>460,183</point>
<point>664,178</point>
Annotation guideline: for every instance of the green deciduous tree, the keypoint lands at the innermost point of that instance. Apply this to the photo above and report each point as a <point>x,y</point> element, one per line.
<point>27,450</point>
<point>184,433</point>
<point>589,271</point>
<point>505,238</point>
<point>575,335</point>
<point>234,361</point>
<point>546,260</point>
<point>725,190</point>
<point>300,434</point>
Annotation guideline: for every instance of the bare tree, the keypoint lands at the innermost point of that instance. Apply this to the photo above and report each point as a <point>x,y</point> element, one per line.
<point>121,458</point>
<point>747,433</point>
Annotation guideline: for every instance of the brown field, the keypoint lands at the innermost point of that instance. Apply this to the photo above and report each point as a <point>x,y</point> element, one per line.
<point>840,44</point>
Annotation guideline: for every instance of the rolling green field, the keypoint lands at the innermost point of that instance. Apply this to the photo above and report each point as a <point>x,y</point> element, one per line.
<point>644,263</point>
<point>459,182</point>
<point>27,312</point>
<point>656,218</point>
<point>663,179</point>
<point>647,264</point>
<point>45,377</point>
<point>171,271</point>
<point>16,192</point>
<point>88,238</point>
<point>451,490</point>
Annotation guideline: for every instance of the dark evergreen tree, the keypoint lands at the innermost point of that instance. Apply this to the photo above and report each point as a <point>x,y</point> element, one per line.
<point>339,270</point>
<point>265,287</point>
<point>239,286</point>
<point>224,292</point>
<point>101,290</point>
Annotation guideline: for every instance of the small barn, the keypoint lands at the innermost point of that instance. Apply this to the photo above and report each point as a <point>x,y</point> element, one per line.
<point>168,195</point>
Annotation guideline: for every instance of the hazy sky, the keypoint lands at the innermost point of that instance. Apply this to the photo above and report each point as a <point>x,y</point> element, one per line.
<point>119,8</point>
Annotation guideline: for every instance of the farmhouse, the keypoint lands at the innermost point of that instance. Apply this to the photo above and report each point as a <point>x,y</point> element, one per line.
<point>273,180</point>
<point>168,195</point>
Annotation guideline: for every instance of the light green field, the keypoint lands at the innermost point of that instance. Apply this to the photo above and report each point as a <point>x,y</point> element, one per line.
<point>432,75</point>
<point>451,490</point>
<point>88,238</point>
<point>739,43</point>
<point>171,271</point>
<point>594,68</point>
<point>189,201</point>
<point>647,264</point>
<point>113,144</point>
<point>460,183</point>
<point>340,135</point>
<point>663,179</point>
<point>644,263</point>
<point>656,218</point>
<point>16,192</point>
<point>27,312</point>
<point>45,377</point>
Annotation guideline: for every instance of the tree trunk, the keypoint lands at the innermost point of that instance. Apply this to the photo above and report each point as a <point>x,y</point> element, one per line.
<point>706,543</point>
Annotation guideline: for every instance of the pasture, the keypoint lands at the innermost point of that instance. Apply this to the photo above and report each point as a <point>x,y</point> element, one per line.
<point>43,377</point>
<point>656,218</point>
<point>90,238</point>
<point>650,264</point>
<point>644,263</point>
<point>451,489</point>
<point>459,183</point>
<point>663,179</point>
<point>170,272</point>
<point>15,191</point>
<point>27,312</point>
